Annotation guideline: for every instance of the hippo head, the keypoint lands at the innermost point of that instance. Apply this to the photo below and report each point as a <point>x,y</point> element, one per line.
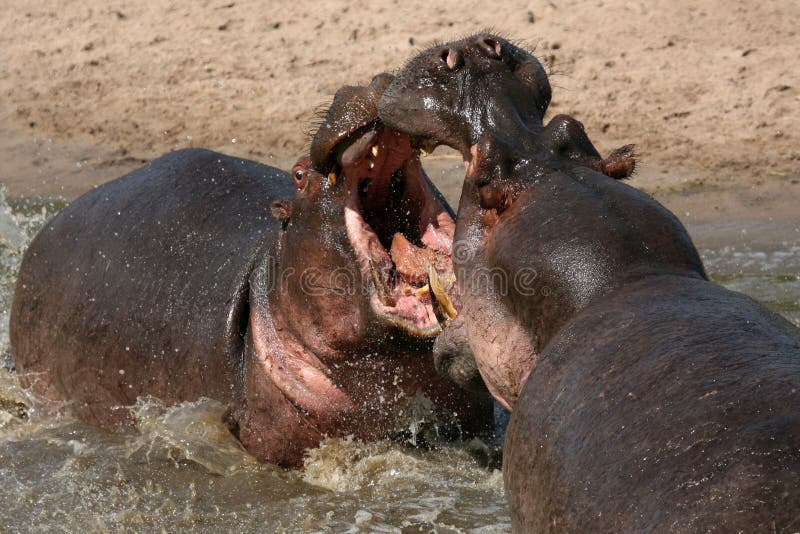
<point>449,94</point>
<point>537,235</point>
<point>376,226</point>
<point>453,94</point>
<point>347,304</point>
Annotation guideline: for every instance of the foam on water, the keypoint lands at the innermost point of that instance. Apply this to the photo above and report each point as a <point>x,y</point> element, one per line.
<point>183,470</point>
<point>19,222</point>
<point>190,431</point>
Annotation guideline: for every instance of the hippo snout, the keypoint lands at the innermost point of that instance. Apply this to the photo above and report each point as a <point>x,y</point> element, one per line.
<point>454,360</point>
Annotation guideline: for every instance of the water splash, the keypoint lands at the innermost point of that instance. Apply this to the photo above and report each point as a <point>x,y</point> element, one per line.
<point>422,496</point>
<point>189,431</point>
<point>20,219</point>
<point>14,402</point>
<point>12,236</point>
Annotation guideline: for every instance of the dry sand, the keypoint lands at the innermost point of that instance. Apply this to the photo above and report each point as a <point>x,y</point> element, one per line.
<point>708,90</point>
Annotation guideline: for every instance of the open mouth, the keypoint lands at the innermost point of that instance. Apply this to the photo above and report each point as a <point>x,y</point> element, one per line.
<point>400,229</point>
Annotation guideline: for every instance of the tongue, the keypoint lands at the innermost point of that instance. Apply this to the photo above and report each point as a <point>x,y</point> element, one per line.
<point>411,262</point>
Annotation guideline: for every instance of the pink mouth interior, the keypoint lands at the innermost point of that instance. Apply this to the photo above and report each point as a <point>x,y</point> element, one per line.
<point>398,228</point>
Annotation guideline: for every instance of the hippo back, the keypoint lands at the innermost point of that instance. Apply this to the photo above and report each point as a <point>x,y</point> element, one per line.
<point>669,405</point>
<point>140,285</point>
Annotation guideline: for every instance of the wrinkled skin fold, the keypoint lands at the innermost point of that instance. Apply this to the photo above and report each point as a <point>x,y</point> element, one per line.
<point>644,397</point>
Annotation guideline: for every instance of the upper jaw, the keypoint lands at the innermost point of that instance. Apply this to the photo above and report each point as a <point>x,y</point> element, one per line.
<point>423,140</point>
<point>425,145</point>
<point>422,117</point>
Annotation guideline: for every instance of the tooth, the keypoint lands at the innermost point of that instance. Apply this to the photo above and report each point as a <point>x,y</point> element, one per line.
<point>371,164</point>
<point>440,294</point>
<point>380,286</point>
<point>375,150</point>
<point>332,178</point>
<point>424,290</point>
<point>423,151</point>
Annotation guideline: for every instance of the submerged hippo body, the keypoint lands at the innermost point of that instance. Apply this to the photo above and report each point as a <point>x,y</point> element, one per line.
<point>644,397</point>
<point>142,285</point>
<point>193,276</point>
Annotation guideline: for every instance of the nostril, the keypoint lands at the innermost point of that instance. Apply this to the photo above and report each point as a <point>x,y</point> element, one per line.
<point>492,48</point>
<point>451,58</point>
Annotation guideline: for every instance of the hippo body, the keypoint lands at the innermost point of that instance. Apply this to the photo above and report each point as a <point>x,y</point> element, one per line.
<point>644,397</point>
<point>188,278</point>
<point>668,404</point>
<point>144,280</point>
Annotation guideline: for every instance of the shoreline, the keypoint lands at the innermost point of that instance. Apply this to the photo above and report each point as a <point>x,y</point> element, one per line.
<point>47,167</point>
<point>707,90</point>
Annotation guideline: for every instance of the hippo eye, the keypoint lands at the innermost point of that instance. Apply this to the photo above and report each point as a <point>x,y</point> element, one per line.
<point>300,179</point>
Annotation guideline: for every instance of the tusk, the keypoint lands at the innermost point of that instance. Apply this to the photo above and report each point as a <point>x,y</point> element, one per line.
<point>380,285</point>
<point>375,150</point>
<point>440,294</point>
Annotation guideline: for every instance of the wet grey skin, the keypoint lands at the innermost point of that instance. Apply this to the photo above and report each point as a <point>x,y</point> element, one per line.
<point>644,397</point>
<point>205,275</point>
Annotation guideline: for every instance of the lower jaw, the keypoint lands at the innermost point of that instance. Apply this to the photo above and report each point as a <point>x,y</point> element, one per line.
<point>427,329</point>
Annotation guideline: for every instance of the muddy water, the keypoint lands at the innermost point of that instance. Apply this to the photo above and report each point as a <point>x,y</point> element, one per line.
<point>182,470</point>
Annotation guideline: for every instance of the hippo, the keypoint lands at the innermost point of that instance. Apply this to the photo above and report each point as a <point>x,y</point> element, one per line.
<point>644,397</point>
<point>299,300</point>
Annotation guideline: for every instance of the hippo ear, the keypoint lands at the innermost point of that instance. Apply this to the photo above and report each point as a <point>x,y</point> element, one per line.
<point>281,210</point>
<point>379,83</point>
<point>621,163</point>
<point>532,73</point>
